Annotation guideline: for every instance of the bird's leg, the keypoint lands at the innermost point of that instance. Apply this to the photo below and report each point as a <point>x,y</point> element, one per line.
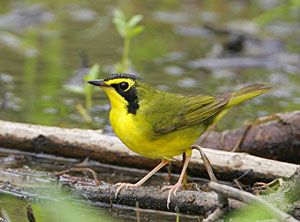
<point>178,185</point>
<point>143,180</point>
<point>184,180</point>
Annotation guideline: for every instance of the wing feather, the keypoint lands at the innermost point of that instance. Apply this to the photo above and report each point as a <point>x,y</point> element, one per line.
<point>188,111</point>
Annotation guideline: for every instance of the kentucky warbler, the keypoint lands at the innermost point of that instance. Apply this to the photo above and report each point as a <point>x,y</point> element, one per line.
<point>158,124</point>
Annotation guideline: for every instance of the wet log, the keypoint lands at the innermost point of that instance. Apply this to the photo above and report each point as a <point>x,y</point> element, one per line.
<point>37,185</point>
<point>273,137</point>
<point>34,185</point>
<point>81,143</point>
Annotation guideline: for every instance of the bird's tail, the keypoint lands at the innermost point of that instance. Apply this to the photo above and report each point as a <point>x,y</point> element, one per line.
<point>247,92</point>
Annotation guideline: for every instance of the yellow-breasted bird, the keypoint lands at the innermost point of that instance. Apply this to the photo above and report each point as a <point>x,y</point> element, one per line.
<point>158,124</point>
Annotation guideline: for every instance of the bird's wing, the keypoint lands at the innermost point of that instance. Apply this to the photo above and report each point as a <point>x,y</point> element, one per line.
<point>186,111</point>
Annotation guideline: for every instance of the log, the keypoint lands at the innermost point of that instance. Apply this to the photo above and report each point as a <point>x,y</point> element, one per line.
<point>23,183</point>
<point>39,185</point>
<point>81,143</point>
<point>273,137</point>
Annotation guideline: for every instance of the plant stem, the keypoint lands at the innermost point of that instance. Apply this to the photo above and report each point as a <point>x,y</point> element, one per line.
<point>125,54</point>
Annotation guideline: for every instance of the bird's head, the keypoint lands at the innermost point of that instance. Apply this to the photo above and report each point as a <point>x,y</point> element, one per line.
<point>122,90</point>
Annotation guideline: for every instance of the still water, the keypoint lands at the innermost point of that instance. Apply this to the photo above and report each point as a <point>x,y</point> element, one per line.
<point>185,48</point>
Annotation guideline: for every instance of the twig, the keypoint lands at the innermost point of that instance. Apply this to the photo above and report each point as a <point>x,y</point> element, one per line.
<point>206,162</point>
<point>242,138</point>
<point>80,169</point>
<point>236,181</point>
<point>246,197</point>
<point>223,203</point>
<point>215,215</point>
<point>30,215</point>
<point>138,214</point>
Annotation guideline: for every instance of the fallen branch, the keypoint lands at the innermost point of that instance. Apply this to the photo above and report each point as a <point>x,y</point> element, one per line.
<point>36,185</point>
<point>249,198</point>
<point>32,184</point>
<point>273,137</point>
<point>81,143</point>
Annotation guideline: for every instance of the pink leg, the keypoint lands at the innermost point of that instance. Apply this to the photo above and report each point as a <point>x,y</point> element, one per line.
<point>178,185</point>
<point>143,180</point>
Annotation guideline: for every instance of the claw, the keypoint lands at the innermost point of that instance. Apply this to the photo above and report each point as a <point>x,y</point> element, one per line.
<point>122,185</point>
<point>173,190</point>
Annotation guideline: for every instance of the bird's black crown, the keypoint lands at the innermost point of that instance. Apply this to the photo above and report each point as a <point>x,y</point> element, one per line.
<point>124,76</point>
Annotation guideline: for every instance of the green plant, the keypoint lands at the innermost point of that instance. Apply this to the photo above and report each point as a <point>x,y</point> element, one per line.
<point>88,88</point>
<point>127,30</point>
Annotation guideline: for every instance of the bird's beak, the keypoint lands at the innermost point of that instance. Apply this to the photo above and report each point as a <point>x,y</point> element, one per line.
<point>99,82</point>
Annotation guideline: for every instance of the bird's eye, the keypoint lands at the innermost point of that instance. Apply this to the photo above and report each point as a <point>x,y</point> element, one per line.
<point>123,86</point>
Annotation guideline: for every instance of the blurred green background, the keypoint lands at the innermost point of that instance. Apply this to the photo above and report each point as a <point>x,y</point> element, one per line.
<point>189,46</point>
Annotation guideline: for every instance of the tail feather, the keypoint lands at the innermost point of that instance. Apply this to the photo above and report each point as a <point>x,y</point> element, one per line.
<point>247,92</point>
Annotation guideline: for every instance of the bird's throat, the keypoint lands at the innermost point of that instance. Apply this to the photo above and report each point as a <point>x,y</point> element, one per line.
<point>128,100</point>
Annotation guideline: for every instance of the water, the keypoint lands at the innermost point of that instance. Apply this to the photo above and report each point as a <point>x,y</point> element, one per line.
<point>41,44</point>
<point>187,47</point>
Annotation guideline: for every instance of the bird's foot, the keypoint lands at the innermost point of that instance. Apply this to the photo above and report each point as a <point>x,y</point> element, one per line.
<point>123,185</point>
<point>173,190</point>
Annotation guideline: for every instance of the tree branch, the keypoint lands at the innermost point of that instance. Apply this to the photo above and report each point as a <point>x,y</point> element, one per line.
<point>249,198</point>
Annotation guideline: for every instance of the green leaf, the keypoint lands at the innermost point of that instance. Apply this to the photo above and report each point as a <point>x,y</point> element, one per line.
<point>119,14</point>
<point>137,30</point>
<point>134,20</point>
<point>120,26</point>
<point>88,89</point>
<point>94,72</point>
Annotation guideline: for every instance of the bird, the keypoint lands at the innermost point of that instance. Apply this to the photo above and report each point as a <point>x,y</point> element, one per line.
<point>160,124</point>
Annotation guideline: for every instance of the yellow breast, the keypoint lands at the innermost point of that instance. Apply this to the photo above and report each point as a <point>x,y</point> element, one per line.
<point>137,135</point>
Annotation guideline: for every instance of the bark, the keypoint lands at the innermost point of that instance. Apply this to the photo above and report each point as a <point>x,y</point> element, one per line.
<point>23,184</point>
<point>274,137</point>
<point>38,185</point>
<point>80,143</point>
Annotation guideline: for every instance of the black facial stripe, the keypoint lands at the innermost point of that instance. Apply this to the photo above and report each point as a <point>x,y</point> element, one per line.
<point>130,96</point>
